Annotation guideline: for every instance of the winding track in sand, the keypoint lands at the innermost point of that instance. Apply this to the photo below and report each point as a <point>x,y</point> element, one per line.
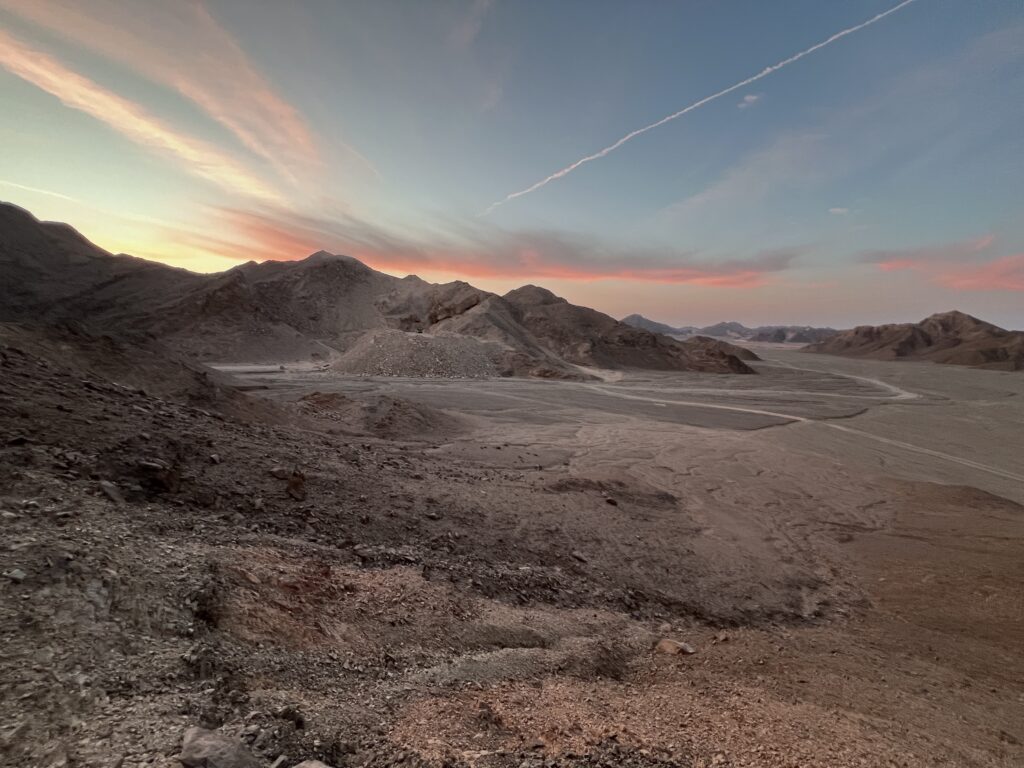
<point>897,393</point>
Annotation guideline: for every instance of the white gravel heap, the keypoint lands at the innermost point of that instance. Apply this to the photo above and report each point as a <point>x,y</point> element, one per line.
<point>397,353</point>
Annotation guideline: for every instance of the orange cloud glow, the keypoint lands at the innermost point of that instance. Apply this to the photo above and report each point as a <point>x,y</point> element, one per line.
<point>482,254</point>
<point>127,118</point>
<point>182,46</point>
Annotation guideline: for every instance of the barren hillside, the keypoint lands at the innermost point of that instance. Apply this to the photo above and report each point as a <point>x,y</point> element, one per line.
<point>953,338</point>
<point>320,308</point>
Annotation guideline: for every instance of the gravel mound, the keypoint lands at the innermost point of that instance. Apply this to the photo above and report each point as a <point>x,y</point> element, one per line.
<point>380,415</point>
<point>397,353</point>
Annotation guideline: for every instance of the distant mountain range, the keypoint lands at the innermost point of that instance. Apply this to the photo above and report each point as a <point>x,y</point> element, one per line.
<point>953,338</point>
<point>795,334</point>
<point>326,307</point>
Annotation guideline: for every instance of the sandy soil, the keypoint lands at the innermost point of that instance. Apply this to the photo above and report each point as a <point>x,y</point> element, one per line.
<point>839,541</point>
<point>877,497</point>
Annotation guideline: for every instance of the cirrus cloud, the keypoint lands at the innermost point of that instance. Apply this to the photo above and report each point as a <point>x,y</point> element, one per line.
<point>182,46</point>
<point>129,119</point>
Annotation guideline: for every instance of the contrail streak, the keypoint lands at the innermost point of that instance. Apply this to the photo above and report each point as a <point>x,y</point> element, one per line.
<point>37,190</point>
<point>696,105</point>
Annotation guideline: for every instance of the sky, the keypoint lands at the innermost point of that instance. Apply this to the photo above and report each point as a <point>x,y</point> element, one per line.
<point>793,162</point>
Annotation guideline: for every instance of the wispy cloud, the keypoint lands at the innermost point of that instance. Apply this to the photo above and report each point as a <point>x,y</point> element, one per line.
<point>966,265</point>
<point>791,161</point>
<point>898,124</point>
<point>929,254</point>
<point>475,250</point>
<point>839,211</point>
<point>129,119</point>
<point>36,190</point>
<point>1002,274</point>
<point>466,31</point>
<point>696,105</point>
<point>182,46</point>
<point>749,100</point>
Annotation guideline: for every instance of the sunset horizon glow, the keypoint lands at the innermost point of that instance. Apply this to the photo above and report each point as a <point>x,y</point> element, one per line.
<point>880,183</point>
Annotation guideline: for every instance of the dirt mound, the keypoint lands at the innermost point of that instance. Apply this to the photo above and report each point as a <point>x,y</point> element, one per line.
<point>716,348</point>
<point>953,338</point>
<point>380,415</point>
<point>399,353</point>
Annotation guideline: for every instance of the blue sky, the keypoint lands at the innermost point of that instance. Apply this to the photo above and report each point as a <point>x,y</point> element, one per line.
<point>877,179</point>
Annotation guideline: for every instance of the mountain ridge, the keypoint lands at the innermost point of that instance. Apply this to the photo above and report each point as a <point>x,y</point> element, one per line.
<point>794,334</point>
<point>951,338</point>
<point>317,308</point>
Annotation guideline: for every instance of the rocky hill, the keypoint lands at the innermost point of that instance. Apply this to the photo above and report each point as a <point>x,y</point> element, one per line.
<point>793,334</point>
<point>952,338</point>
<point>322,307</point>
<point>639,321</point>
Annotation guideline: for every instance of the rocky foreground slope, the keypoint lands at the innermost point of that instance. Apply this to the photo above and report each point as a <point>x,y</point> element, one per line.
<point>301,585</point>
<point>953,338</point>
<point>320,308</point>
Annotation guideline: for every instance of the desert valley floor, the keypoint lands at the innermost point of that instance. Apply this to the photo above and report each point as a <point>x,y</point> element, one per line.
<point>484,577</point>
<point>897,419</point>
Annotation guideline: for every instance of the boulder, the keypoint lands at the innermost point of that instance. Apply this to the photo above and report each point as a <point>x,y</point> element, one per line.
<point>673,647</point>
<point>201,748</point>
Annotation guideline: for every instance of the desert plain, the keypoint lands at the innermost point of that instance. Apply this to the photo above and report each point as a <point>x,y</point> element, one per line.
<point>839,540</point>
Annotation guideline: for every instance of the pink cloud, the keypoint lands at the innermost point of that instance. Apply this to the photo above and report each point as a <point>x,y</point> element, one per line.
<point>484,252</point>
<point>964,265</point>
<point>182,46</point>
<point>1003,274</point>
<point>129,119</point>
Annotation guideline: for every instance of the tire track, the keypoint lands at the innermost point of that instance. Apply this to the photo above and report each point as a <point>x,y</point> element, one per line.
<point>793,418</point>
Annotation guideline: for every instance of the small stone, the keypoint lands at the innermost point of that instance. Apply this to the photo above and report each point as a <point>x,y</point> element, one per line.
<point>297,486</point>
<point>215,458</point>
<point>14,735</point>
<point>18,440</point>
<point>16,575</point>
<point>311,764</point>
<point>201,748</point>
<point>111,491</point>
<point>280,473</point>
<point>611,501</point>
<point>577,555</point>
<point>673,647</point>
